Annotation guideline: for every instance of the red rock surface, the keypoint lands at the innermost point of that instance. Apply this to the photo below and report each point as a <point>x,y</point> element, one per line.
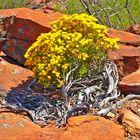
<point>127,65</point>
<point>125,37</point>
<point>134,29</point>
<point>131,83</point>
<point>92,128</point>
<point>15,127</point>
<point>131,121</point>
<point>12,75</point>
<point>127,59</point>
<point>125,51</point>
<point>23,29</point>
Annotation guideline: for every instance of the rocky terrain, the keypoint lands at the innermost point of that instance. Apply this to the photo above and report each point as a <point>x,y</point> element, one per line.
<point>19,28</point>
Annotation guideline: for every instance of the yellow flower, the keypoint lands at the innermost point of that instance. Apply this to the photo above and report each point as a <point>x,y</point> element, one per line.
<point>79,56</point>
<point>54,52</point>
<point>49,77</point>
<point>85,56</point>
<point>65,66</point>
<point>60,83</point>
<point>57,74</point>
<point>53,71</point>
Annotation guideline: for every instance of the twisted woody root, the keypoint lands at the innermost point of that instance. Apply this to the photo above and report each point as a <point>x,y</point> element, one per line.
<point>92,95</point>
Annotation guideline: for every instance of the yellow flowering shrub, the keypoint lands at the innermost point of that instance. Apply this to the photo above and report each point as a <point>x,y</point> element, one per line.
<point>73,39</point>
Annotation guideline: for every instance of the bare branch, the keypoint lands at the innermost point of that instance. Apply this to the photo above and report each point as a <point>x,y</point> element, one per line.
<point>99,8</point>
<point>85,5</point>
<point>70,72</point>
<point>105,111</point>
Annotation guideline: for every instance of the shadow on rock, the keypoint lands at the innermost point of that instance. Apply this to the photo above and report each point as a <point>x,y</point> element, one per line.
<point>11,61</point>
<point>21,97</point>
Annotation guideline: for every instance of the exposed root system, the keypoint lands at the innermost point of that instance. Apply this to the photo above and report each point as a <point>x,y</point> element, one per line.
<point>91,95</point>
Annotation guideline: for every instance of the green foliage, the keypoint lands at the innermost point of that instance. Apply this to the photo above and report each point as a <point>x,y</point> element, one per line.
<point>7,4</point>
<point>70,7</point>
<point>74,40</point>
<point>74,6</point>
<point>83,70</point>
<point>120,17</point>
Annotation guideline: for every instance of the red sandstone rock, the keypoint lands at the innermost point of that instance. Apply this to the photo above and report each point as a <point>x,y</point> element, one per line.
<point>127,59</point>
<point>131,83</point>
<point>11,75</point>
<point>125,37</point>
<point>24,27</point>
<point>127,65</point>
<point>92,128</point>
<point>134,29</point>
<point>131,121</point>
<point>15,127</point>
<point>125,51</point>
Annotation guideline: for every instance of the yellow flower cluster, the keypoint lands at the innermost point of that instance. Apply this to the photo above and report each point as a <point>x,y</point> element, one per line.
<point>76,38</point>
